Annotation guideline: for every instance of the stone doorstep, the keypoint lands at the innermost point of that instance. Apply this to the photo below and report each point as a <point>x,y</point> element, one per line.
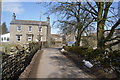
<point>26,72</point>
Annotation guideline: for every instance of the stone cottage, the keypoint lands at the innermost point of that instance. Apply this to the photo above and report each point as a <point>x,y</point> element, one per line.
<point>57,40</point>
<point>25,31</point>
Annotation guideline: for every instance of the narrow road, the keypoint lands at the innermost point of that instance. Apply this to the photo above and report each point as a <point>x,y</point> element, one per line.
<point>55,65</point>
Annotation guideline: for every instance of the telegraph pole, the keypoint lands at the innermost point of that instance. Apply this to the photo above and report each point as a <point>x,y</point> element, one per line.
<point>39,27</point>
<point>0,10</point>
<point>0,41</point>
<point>39,36</point>
<point>0,19</point>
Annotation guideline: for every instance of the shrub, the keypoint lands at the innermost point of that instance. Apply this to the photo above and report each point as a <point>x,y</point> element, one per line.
<point>78,50</point>
<point>66,47</point>
<point>114,58</point>
<point>106,60</point>
<point>109,61</point>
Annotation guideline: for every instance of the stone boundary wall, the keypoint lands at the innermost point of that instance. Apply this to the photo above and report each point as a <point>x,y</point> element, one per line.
<point>27,72</point>
<point>14,65</point>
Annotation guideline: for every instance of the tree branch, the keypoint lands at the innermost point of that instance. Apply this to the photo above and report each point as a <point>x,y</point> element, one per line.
<point>66,22</point>
<point>112,30</point>
<point>87,25</point>
<point>89,11</point>
<point>115,38</point>
<point>92,8</point>
<point>107,5</point>
<point>112,44</point>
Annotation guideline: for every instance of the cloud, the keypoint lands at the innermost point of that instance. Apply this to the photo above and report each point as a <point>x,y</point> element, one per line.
<point>13,7</point>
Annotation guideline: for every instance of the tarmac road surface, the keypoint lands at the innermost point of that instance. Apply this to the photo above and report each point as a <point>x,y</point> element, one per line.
<point>55,65</point>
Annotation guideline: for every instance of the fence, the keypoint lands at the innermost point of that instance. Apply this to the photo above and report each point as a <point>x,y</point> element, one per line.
<point>13,65</point>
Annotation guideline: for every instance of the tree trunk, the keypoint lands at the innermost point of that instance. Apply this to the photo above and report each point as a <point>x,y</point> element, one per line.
<point>100,27</point>
<point>78,38</point>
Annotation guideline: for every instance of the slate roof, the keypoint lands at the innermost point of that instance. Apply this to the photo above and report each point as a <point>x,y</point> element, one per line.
<point>29,22</point>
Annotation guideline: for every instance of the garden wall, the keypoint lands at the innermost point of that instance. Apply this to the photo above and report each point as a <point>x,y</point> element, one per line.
<point>14,65</point>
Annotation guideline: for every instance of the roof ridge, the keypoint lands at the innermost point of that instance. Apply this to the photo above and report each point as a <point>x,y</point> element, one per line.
<point>30,20</point>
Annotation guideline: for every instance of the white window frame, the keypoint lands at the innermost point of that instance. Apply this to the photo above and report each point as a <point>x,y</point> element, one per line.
<point>2,39</point>
<point>41,37</point>
<point>39,29</point>
<point>29,38</point>
<point>8,39</point>
<point>29,28</point>
<point>18,38</point>
<point>18,28</point>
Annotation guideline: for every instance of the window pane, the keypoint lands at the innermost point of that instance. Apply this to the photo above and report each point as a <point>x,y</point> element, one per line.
<point>40,29</point>
<point>7,39</point>
<point>19,28</point>
<point>30,28</point>
<point>18,38</point>
<point>39,38</point>
<point>4,38</point>
<point>30,38</point>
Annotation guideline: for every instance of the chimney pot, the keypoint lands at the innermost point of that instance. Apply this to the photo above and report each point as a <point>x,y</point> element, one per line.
<point>14,17</point>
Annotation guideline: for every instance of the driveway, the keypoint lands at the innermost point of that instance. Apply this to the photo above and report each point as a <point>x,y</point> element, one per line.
<point>55,65</point>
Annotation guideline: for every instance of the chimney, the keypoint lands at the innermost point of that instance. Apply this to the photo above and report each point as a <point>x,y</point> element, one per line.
<point>48,19</point>
<point>13,17</point>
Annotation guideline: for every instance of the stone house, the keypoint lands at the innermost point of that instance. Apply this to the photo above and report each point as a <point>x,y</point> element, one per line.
<point>56,39</point>
<point>25,31</point>
<point>70,39</point>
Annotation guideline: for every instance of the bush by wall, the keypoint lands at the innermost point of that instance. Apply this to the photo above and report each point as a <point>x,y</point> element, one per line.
<point>108,61</point>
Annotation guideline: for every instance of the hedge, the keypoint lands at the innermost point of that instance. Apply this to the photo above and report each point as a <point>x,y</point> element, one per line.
<point>108,61</point>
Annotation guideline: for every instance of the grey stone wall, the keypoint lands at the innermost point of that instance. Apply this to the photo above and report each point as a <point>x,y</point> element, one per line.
<point>13,65</point>
<point>24,31</point>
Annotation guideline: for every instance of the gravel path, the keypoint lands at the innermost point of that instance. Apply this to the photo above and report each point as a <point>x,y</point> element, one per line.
<point>55,65</point>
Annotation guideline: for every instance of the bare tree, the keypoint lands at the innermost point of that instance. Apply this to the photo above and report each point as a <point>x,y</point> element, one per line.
<point>104,14</point>
<point>72,17</point>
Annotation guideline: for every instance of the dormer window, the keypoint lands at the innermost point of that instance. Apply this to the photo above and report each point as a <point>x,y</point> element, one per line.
<point>19,28</point>
<point>29,28</point>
